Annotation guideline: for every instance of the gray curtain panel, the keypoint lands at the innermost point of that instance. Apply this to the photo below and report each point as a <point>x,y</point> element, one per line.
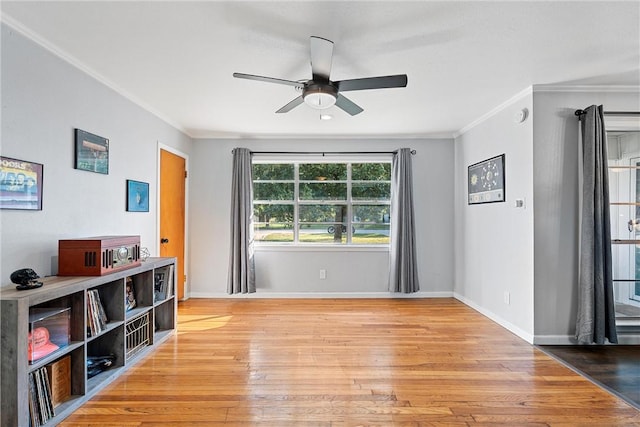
<point>596,320</point>
<point>403,275</point>
<point>241,262</point>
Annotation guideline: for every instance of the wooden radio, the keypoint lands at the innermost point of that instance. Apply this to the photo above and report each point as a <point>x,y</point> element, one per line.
<point>97,256</point>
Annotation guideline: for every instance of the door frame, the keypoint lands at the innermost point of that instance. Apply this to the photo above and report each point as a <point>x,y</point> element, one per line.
<point>161,146</point>
<point>622,122</point>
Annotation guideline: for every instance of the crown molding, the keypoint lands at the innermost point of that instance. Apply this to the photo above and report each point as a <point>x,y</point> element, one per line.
<point>518,96</point>
<point>330,137</point>
<point>67,57</point>
<point>587,88</point>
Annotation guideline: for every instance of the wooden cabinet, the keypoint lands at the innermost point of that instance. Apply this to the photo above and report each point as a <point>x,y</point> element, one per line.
<point>129,333</point>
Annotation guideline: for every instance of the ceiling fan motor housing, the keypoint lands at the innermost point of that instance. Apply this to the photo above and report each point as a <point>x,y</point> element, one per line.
<point>319,95</point>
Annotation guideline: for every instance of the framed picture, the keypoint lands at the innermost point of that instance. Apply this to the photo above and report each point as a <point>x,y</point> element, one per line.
<point>20,184</point>
<point>486,181</point>
<point>137,196</point>
<point>92,152</point>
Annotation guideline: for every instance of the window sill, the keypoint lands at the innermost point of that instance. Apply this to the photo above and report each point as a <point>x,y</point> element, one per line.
<point>262,247</point>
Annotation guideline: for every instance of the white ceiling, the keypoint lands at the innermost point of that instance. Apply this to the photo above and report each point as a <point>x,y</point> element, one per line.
<point>463,59</point>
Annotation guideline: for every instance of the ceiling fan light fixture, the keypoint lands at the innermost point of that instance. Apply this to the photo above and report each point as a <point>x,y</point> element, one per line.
<point>320,96</point>
<point>319,100</point>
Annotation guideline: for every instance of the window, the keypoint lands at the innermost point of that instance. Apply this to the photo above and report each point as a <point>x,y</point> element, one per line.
<point>624,198</point>
<point>340,203</point>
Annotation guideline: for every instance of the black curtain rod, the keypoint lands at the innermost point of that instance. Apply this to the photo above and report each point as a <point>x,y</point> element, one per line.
<point>580,113</point>
<point>327,152</point>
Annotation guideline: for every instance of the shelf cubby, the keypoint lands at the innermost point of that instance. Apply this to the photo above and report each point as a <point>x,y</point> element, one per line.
<point>71,292</point>
<point>164,319</point>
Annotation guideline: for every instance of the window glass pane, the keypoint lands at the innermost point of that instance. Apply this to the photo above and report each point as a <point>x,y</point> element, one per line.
<point>370,234</point>
<point>371,214</point>
<point>273,223</point>
<point>322,234</point>
<point>323,224</point>
<point>272,171</point>
<point>627,299</point>
<point>323,191</point>
<point>623,258</point>
<point>323,172</point>
<point>263,212</point>
<point>273,190</point>
<point>371,191</point>
<point>323,213</point>
<point>274,233</point>
<point>371,171</point>
<point>370,224</point>
<point>624,195</point>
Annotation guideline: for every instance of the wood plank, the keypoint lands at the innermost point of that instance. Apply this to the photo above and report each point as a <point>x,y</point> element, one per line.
<point>332,362</point>
<point>616,367</point>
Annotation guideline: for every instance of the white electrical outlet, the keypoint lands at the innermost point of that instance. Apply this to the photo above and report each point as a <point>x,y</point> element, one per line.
<point>507,297</point>
<point>323,274</point>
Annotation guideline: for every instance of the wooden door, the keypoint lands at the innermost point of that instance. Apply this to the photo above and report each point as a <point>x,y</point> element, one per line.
<point>172,212</point>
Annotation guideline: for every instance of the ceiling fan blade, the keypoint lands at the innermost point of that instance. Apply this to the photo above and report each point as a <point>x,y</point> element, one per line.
<point>291,105</point>
<point>347,105</point>
<point>268,79</point>
<point>398,80</point>
<point>321,57</point>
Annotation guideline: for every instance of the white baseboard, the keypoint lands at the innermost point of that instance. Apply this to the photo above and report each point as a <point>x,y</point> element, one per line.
<point>623,339</point>
<point>630,339</point>
<point>499,320</point>
<point>555,340</point>
<point>292,295</point>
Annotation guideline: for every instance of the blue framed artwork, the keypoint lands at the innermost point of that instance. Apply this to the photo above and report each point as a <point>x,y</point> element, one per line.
<point>137,196</point>
<point>92,152</point>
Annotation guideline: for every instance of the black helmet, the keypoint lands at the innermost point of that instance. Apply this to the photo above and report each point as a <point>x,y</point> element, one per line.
<point>24,276</point>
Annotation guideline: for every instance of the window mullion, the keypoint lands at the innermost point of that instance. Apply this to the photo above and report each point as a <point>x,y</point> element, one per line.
<point>296,202</point>
<point>349,206</point>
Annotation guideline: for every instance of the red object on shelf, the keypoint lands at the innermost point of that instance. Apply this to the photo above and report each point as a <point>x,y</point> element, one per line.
<point>49,330</point>
<point>96,256</point>
<point>39,344</point>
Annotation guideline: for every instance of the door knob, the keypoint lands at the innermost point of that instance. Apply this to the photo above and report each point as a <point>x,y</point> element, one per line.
<point>164,240</point>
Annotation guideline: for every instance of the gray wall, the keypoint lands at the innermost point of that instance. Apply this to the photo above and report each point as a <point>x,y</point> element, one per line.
<point>43,99</point>
<point>530,253</point>
<point>555,161</point>
<point>350,271</point>
<point>494,242</point>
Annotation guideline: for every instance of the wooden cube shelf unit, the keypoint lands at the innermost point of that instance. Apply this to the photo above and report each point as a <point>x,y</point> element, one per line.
<point>126,334</point>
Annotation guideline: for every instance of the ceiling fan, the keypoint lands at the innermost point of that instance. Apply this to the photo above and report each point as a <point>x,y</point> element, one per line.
<point>320,92</point>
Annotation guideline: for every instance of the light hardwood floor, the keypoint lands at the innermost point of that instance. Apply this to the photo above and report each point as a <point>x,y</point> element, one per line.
<point>372,362</point>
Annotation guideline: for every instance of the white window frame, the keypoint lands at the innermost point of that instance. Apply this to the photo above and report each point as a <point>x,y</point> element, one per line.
<point>623,288</point>
<point>349,202</point>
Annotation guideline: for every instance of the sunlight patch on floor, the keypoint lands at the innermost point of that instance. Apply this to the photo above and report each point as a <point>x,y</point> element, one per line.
<point>197,323</point>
